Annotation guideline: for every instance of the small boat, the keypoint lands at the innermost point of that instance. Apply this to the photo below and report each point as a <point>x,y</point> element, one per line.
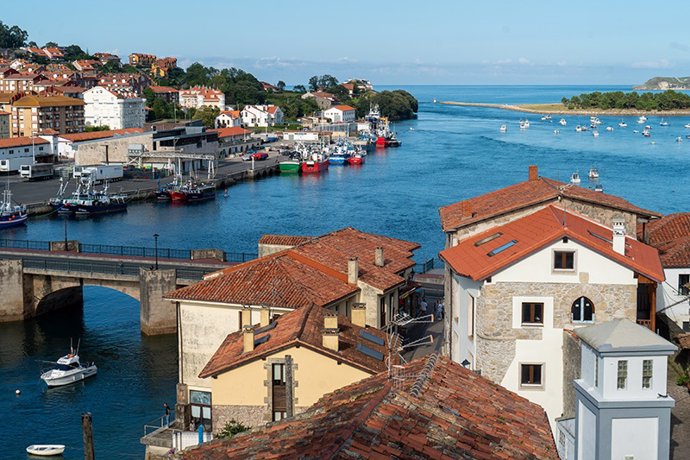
<point>356,159</point>
<point>524,124</point>
<point>679,139</point>
<point>646,133</point>
<point>622,124</point>
<point>599,188</point>
<point>609,128</point>
<point>687,125</point>
<point>648,128</point>
<point>593,173</point>
<point>45,450</point>
<point>11,215</point>
<point>642,120</point>
<point>594,121</point>
<point>503,128</point>
<point>68,370</point>
<point>562,122</point>
<point>595,133</point>
<point>557,131</point>
<point>636,131</point>
<point>663,122</point>
<point>578,128</point>
<point>339,158</point>
<point>546,118</point>
<point>575,178</point>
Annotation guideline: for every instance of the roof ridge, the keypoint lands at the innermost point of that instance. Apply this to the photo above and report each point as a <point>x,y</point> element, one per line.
<point>423,376</point>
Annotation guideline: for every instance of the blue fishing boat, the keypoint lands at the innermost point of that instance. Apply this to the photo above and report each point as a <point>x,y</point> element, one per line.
<point>11,215</point>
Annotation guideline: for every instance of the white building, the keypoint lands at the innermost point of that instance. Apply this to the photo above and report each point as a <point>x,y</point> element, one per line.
<point>623,408</point>
<point>340,114</point>
<point>117,109</point>
<point>201,96</point>
<point>18,151</point>
<point>671,236</point>
<point>229,119</point>
<point>261,116</point>
<point>516,288</point>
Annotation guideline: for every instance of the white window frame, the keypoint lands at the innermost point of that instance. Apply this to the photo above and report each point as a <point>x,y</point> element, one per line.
<point>532,386</point>
<point>563,270</point>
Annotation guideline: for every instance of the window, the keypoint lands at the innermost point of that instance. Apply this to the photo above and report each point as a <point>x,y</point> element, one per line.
<point>622,374</point>
<point>532,313</point>
<point>279,374</point>
<point>583,310</point>
<point>200,404</point>
<point>647,371</point>
<point>686,326</point>
<point>531,374</point>
<point>279,415</point>
<point>682,281</point>
<point>563,260</point>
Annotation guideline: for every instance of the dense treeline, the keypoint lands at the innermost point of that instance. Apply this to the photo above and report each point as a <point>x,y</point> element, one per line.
<point>668,100</point>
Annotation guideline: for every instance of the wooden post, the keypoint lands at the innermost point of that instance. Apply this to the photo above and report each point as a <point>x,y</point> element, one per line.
<point>88,436</point>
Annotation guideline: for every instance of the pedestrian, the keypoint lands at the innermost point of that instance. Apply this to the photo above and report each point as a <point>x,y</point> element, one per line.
<point>423,307</point>
<point>167,413</point>
<point>439,310</point>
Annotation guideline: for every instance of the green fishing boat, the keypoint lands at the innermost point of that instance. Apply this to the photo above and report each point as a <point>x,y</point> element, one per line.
<point>289,166</point>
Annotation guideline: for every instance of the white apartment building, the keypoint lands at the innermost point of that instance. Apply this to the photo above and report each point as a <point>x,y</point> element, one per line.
<point>340,114</point>
<point>117,109</point>
<point>261,116</point>
<point>201,96</point>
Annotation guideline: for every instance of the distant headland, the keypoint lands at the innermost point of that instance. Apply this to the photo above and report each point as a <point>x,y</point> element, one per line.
<point>665,83</point>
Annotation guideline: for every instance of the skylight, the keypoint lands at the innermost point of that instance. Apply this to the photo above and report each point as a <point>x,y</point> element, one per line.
<point>487,239</point>
<point>370,337</point>
<point>501,248</point>
<point>601,237</point>
<point>262,339</point>
<point>369,352</point>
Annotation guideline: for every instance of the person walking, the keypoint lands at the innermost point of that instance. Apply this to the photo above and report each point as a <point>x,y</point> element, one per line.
<point>423,306</point>
<point>439,310</point>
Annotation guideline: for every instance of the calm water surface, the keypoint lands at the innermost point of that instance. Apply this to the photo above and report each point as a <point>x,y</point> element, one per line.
<point>448,154</point>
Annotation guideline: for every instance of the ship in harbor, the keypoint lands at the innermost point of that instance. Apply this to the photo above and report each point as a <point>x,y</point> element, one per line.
<point>11,215</point>
<point>86,201</point>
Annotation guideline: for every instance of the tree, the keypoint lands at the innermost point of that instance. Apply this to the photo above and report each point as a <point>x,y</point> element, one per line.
<point>280,85</point>
<point>230,429</point>
<point>328,81</point>
<point>299,89</point>
<point>74,52</point>
<point>396,105</point>
<point>51,45</point>
<point>314,83</point>
<point>12,37</point>
<point>207,115</point>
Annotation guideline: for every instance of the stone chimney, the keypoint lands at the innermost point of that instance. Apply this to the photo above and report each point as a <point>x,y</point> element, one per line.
<point>619,235</point>
<point>379,260</point>
<point>533,173</point>
<point>358,314</point>
<point>246,316</point>
<point>330,331</point>
<point>352,270</point>
<point>265,316</point>
<point>248,338</point>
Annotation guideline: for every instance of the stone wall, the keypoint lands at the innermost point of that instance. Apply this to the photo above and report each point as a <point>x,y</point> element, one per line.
<point>252,416</point>
<point>157,315</point>
<point>93,153</point>
<point>572,365</point>
<point>215,254</point>
<point>12,306</point>
<point>495,336</point>
<point>603,215</point>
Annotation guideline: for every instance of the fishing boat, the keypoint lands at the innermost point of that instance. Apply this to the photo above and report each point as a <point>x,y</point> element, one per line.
<point>356,159</point>
<point>593,173</point>
<point>68,369</point>
<point>503,128</point>
<point>289,166</point>
<point>100,202</point>
<point>11,215</point>
<point>575,178</point>
<point>316,164</point>
<point>59,198</point>
<point>622,124</point>
<point>193,191</point>
<point>562,122</point>
<point>46,450</point>
<point>339,158</point>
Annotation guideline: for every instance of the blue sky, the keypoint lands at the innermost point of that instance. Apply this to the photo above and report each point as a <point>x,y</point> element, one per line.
<point>388,42</point>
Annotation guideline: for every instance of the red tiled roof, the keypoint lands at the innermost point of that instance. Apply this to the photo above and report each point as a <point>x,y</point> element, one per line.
<point>232,131</point>
<point>162,89</point>
<point>272,109</point>
<point>80,137</point>
<point>232,113</point>
<point>302,327</point>
<point>439,411</point>
<point>344,108</point>
<point>524,195</point>
<point>284,240</point>
<point>22,141</point>
<point>671,236</point>
<point>536,231</point>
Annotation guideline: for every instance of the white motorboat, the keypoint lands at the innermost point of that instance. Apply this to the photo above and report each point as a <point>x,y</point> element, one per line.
<point>594,120</point>
<point>575,178</point>
<point>599,188</point>
<point>557,131</point>
<point>609,128</point>
<point>679,139</point>
<point>593,173</point>
<point>563,122</point>
<point>646,133</point>
<point>642,120</point>
<point>68,369</point>
<point>623,124</point>
<point>687,125</point>
<point>595,133</point>
<point>578,128</point>
<point>663,122</point>
<point>546,118</point>
<point>503,128</point>
<point>524,124</point>
<point>46,450</point>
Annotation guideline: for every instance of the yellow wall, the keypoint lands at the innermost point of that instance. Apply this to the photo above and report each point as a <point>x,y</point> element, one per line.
<point>315,375</point>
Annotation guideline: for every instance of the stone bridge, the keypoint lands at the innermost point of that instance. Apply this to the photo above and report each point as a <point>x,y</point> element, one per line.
<point>40,277</point>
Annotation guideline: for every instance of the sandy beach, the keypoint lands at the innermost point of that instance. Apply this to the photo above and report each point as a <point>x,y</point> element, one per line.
<point>557,108</point>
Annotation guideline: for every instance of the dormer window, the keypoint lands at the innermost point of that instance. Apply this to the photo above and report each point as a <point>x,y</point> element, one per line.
<point>583,310</point>
<point>564,260</point>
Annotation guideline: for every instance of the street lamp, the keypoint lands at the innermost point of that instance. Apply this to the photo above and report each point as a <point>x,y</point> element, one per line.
<point>155,248</point>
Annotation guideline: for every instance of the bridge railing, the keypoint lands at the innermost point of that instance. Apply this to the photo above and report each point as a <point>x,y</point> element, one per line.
<point>25,244</point>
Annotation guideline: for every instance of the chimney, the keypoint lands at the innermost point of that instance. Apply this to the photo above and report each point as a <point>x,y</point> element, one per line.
<point>330,331</point>
<point>352,270</point>
<point>533,173</point>
<point>619,235</point>
<point>246,316</point>
<point>379,260</point>
<point>358,314</point>
<point>248,338</point>
<point>265,317</point>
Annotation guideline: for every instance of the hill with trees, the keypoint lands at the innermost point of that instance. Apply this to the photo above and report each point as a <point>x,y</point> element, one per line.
<point>667,100</point>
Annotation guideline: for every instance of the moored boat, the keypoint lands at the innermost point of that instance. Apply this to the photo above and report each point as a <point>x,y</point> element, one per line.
<point>356,159</point>
<point>11,215</point>
<point>593,173</point>
<point>68,369</point>
<point>563,122</point>
<point>503,128</point>
<point>575,178</point>
<point>289,166</point>
<point>339,158</point>
<point>622,124</point>
<point>46,450</point>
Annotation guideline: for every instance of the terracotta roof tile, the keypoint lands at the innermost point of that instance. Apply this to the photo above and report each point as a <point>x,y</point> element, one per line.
<point>80,137</point>
<point>671,236</point>
<point>46,101</point>
<point>284,240</point>
<point>162,89</point>
<point>231,131</point>
<point>343,108</point>
<point>21,141</point>
<point>524,195</point>
<point>438,410</point>
<point>299,327</point>
<point>537,230</point>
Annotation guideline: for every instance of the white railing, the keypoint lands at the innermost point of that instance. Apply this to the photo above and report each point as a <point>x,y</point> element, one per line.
<point>164,421</point>
<point>183,439</point>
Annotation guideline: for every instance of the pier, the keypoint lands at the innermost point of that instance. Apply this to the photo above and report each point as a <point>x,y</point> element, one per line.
<point>37,277</point>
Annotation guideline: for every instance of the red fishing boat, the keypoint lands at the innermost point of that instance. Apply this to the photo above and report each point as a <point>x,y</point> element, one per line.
<point>356,159</point>
<point>315,166</point>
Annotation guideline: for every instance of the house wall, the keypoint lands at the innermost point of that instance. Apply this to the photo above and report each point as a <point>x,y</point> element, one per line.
<point>633,391</point>
<point>243,393</point>
<point>462,318</point>
<point>103,108</point>
<point>586,432</point>
<point>667,295</point>
<point>93,152</point>
<point>636,437</point>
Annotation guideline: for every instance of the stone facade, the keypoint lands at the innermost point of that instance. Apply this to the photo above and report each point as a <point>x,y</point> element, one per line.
<point>495,335</point>
<point>572,365</point>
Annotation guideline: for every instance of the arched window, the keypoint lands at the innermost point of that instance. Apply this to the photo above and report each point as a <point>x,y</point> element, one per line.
<point>583,310</point>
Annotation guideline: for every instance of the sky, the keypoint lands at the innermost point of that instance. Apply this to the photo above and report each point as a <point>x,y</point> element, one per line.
<point>388,42</point>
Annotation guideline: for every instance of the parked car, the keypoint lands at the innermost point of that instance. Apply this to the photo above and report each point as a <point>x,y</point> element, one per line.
<point>247,156</point>
<point>260,156</point>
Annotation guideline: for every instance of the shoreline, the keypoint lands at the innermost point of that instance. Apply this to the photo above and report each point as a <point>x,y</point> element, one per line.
<point>558,109</point>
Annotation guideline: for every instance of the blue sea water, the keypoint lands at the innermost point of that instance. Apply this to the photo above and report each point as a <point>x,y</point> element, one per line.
<point>449,153</point>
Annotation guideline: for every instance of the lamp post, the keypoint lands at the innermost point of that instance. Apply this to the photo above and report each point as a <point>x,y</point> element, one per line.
<point>155,248</point>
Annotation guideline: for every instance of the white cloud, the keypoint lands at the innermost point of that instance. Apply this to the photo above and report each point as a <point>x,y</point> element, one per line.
<point>658,64</point>
<point>523,61</point>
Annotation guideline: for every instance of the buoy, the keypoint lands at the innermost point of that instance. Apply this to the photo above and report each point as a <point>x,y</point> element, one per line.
<point>17,392</point>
